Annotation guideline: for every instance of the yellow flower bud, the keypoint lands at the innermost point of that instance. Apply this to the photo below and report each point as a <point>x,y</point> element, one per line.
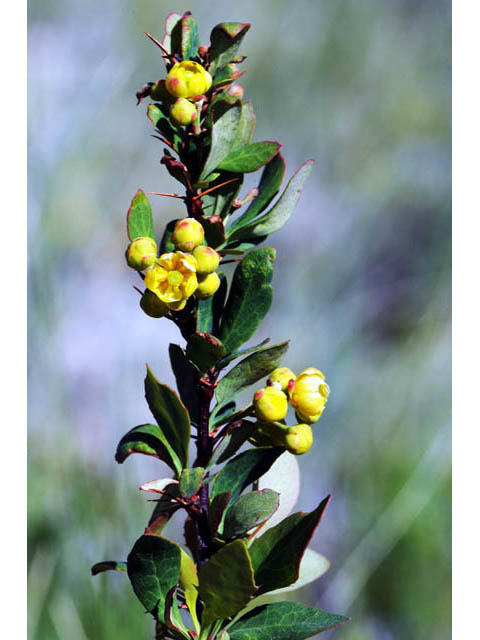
<point>207,286</point>
<point>270,404</point>
<point>188,79</point>
<point>183,111</point>
<point>141,253</point>
<point>281,377</point>
<point>152,305</point>
<point>188,234</point>
<point>173,279</point>
<point>309,395</point>
<point>207,259</point>
<point>299,439</point>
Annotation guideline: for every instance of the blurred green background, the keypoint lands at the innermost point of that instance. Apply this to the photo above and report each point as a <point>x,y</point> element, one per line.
<point>362,287</point>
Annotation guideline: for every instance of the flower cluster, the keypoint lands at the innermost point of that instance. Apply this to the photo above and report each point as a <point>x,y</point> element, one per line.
<point>307,393</point>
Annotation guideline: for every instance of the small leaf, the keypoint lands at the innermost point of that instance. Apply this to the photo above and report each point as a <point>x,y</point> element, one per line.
<point>190,481</point>
<point>250,157</point>
<point>283,621</point>
<point>189,37</point>
<point>225,118</point>
<point>204,350</point>
<point>226,582</point>
<point>225,40</point>
<point>139,217</point>
<point>171,20</point>
<point>164,509</point>
<point>209,311</point>
<point>170,414</point>
<point>187,379</point>
<point>249,511</point>
<point>244,469</point>
<point>246,127</point>
<point>150,440</point>
<point>153,567</point>
<point>189,583</point>
<point>249,300</point>
<point>256,366</point>
<point>108,565</point>
<point>156,486</point>
<point>277,216</point>
<point>276,555</point>
<point>269,186</point>
<point>159,118</point>
<point>222,414</point>
<point>233,441</point>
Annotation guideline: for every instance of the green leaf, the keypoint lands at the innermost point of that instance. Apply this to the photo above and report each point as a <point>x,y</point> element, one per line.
<point>150,440</point>
<point>209,311</point>
<point>283,621</point>
<point>225,118</point>
<point>249,300</point>
<point>153,567</point>
<point>226,582</point>
<point>233,441</point>
<point>250,157</point>
<point>269,186</point>
<point>189,583</point>
<point>170,414</point>
<point>249,511</point>
<point>108,565</point>
<point>222,414</point>
<point>217,509</point>
<point>204,350</point>
<point>187,379</point>
<point>190,481</point>
<point>241,352</point>
<point>189,37</point>
<point>171,20</point>
<point>160,119</point>
<point>276,555</point>
<point>250,370</point>
<point>139,217</point>
<point>218,202</point>
<point>225,40</point>
<point>246,127</point>
<point>244,469</point>
<point>277,216</point>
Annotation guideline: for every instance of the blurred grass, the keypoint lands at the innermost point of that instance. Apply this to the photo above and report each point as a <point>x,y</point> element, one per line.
<point>362,287</point>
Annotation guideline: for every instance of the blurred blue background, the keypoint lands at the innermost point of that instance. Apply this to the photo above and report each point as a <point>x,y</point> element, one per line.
<point>362,285</point>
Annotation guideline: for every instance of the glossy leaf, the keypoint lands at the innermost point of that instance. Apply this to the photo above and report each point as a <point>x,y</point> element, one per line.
<point>225,118</point>
<point>277,216</point>
<point>210,310</point>
<point>276,555</point>
<point>244,469</point>
<point>139,217</point>
<point>108,565</point>
<point>250,157</point>
<point>225,40</point>
<point>249,300</point>
<point>269,186</point>
<point>246,127</point>
<point>226,582</point>
<point>251,369</point>
<point>187,379</point>
<point>204,350</point>
<point>150,440</point>
<point>153,567</point>
<point>170,414</point>
<point>249,511</point>
<point>283,621</point>
<point>190,481</point>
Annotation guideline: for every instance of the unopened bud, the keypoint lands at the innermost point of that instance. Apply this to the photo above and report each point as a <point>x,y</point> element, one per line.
<point>207,259</point>
<point>270,404</point>
<point>207,286</point>
<point>282,377</point>
<point>141,253</point>
<point>299,439</point>
<point>188,79</point>
<point>188,234</point>
<point>152,305</point>
<point>183,112</point>
<point>235,90</point>
<point>309,395</point>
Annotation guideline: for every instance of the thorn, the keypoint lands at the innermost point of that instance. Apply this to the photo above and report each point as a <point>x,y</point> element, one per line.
<point>159,44</point>
<point>217,186</point>
<point>169,195</point>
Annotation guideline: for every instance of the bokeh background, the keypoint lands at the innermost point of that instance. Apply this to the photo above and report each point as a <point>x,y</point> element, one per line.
<point>362,286</point>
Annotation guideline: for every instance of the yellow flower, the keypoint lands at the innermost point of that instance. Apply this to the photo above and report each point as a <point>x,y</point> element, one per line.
<point>280,377</point>
<point>141,253</point>
<point>187,234</point>
<point>207,286</point>
<point>309,395</point>
<point>299,439</point>
<point>183,111</point>
<point>207,259</point>
<point>270,404</point>
<point>173,279</point>
<point>188,79</point>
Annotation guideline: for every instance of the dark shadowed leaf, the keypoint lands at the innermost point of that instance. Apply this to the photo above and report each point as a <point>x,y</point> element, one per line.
<point>150,440</point>
<point>190,481</point>
<point>139,217</point>
<point>217,510</point>
<point>225,40</point>
<point>187,379</point>
<point>210,310</point>
<point>204,350</point>
<point>108,565</point>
